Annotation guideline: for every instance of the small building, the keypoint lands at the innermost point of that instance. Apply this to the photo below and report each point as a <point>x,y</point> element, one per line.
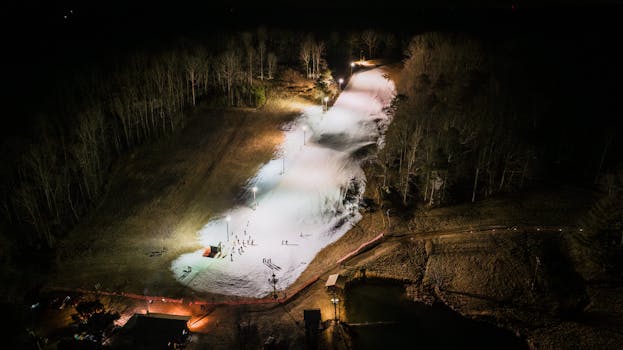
<point>152,331</point>
<point>313,326</point>
<point>334,283</point>
<point>211,251</point>
<point>312,320</point>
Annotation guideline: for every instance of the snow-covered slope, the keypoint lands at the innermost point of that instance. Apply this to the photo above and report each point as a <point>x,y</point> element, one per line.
<point>310,204</point>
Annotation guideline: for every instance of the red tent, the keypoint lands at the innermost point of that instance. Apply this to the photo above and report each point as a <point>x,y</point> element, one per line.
<point>211,251</point>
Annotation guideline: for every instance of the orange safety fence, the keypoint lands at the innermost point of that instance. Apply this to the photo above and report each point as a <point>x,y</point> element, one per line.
<point>297,291</point>
<point>363,245</point>
<point>195,302</point>
<point>258,301</point>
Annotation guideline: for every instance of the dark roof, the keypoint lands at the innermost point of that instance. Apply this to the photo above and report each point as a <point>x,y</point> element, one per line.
<point>312,318</point>
<point>153,331</point>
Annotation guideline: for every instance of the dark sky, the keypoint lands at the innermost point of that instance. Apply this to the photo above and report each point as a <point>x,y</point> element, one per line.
<point>51,20</point>
<point>38,27</point>
<point>39,24</point>
<point>176,13</point>
<point>41,35</point>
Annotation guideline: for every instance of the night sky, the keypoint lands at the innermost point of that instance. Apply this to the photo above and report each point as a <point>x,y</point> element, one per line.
<point>142,16</point>
<point>42,37</point>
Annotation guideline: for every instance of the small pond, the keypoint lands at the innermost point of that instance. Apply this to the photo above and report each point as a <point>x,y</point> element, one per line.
<point>413,325</point>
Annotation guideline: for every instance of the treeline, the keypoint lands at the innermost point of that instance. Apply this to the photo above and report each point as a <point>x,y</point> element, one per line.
<point>105,108</point>
<point>478,117</point>
<point>597,249</point>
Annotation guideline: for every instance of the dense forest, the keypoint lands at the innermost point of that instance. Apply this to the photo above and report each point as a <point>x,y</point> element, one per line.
<point>482,116</point>
<point>478,117</point>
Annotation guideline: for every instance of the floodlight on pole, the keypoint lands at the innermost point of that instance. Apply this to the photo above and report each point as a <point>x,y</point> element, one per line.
<point>341,81</point>
<point>227,220</point>
<point>273,280</point>
<point>352,65</point>
<point>254,192</point>
<point>326,103</point>
<point>335,300</point>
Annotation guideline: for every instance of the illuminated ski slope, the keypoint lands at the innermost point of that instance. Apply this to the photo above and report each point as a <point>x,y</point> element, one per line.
<point>310,204</point>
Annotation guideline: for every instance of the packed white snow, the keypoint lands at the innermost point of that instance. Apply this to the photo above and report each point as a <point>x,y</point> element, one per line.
<point>306,198</point>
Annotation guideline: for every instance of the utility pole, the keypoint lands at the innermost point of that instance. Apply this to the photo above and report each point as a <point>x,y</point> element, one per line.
<point>335,300</point>
<point>536,268</point>
<point>273,280</point>
<point>227,220</point>
<point>254,200</point>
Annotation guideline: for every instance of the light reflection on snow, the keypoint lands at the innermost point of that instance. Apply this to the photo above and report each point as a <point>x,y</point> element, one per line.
<point>304,205</point>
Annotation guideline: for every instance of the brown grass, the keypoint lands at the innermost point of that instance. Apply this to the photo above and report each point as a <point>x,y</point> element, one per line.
<point>162,194</point>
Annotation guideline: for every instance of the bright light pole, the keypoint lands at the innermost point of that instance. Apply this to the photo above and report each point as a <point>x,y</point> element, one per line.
<point>326,103</point>
<point>352,65</point>
<point>146,301</point>
<point>274,281</point>
<point>227,220</point>
<point>335,300</point>
<point>341,81</point>
<point>304,127</point>
<point>254,202</point>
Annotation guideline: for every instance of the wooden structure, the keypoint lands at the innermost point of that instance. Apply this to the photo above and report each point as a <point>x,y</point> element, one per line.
<point>334,283</point>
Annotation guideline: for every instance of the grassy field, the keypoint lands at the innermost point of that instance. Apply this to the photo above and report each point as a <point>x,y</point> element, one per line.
<point>162,194</point>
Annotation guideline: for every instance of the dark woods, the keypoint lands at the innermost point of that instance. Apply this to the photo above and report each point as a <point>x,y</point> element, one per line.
<point>477,117</point>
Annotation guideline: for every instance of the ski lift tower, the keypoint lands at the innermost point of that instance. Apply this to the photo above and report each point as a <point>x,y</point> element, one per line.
<point>273,281</point>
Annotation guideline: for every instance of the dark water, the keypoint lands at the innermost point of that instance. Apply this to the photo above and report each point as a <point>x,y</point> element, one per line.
<point>418,326</point>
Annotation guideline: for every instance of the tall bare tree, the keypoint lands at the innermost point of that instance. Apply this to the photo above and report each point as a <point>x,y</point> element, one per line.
<point>40,164</point>
<point>352,43</point>
<point>229,68</point>
<point>26,198</point>
<point>271,60</point>
<point>87,148</point>
<point>247,41</point>
<point>318,50</point>
<point>192,66</point>
<point>370,39</point>
<point>261,48</point>
<point>305,55</point>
